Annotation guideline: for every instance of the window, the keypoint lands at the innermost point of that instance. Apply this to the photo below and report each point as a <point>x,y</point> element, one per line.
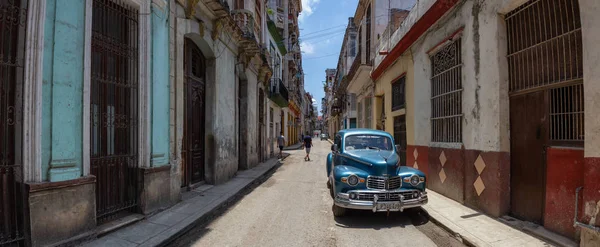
<point>398,94</point>
<point>338,141</point>
<point>258,15</point>
<point>360,42</point>
<point>352,45</point>
<point>446,94</point>
<point>376,142</point>
<point>368,113</point>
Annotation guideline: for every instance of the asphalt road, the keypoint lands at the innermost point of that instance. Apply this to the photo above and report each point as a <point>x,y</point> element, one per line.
<point>293,208</point>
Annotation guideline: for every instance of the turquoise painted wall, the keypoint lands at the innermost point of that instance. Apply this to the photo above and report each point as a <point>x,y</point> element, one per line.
<point>62,90</point>
<point>160,86</point>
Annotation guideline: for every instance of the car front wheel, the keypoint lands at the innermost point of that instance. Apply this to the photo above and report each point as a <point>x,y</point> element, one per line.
<point>338,211</point>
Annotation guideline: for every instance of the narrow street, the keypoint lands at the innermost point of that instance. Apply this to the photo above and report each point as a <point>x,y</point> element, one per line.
<point>293,208</point>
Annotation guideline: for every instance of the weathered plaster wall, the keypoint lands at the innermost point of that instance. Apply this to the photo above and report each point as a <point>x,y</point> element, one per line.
<point>159,96</point>
<point>252,122</point>
<point>61,211</point>
<point>564,173</point>
<point>403,65</point>
<point>224,128</point>
<point>485,99</point>
<point>62,90</point>
<point>591,54</point>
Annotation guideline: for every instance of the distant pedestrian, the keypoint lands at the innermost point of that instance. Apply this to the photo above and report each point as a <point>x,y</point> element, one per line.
<point>280,143</point>
<point>307,146</point>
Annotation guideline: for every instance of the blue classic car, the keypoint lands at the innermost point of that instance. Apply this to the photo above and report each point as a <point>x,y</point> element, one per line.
<point>364,172</point>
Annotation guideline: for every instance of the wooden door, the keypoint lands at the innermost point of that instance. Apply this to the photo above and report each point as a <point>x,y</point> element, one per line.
<point>400,137</point>
<point>194,114</point>
<point>528,132</point>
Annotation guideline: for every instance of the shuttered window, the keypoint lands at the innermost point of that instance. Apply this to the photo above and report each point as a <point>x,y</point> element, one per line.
<point>398,93</point>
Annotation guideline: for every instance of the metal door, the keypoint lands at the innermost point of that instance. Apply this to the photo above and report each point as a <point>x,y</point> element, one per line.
<point>114,108</point>
<point>528,130</point>
<point>13,16</point>
<point>546,94</point>
<point>194,112</point>
<point>400,137</point>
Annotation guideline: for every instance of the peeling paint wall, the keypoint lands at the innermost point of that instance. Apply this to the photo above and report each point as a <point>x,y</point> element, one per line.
<point>484,96</point>
<point>224,126</point>
<point>591,55</point>
<point>62,90</point>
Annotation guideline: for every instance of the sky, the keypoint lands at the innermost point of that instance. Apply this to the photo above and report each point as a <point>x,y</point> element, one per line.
<point>322,27</point>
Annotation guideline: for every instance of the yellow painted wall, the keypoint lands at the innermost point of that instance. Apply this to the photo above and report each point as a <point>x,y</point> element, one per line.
<point>383,86</point>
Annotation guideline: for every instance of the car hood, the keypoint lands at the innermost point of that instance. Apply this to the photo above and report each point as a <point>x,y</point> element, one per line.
<point>380,163</point>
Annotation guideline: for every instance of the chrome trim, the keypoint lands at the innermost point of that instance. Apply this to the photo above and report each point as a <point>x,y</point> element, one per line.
<point>386,182</point>
<point>342,200</point>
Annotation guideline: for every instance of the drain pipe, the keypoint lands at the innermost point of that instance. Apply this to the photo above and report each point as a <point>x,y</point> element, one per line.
<point>577,223</point>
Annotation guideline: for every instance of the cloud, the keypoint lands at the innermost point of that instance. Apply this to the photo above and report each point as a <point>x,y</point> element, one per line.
<point>307,48</point>
<point>308,7</point>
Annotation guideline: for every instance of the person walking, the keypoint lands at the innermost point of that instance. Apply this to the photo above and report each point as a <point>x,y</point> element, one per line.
<point>281,143</point>
<point>307,146</point>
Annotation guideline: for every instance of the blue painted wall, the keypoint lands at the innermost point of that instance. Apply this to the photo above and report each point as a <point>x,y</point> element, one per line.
<point>160,86</point>
<point>62,89</point>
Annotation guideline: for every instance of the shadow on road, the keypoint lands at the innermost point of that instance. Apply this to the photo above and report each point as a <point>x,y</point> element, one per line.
<point>381,220</point>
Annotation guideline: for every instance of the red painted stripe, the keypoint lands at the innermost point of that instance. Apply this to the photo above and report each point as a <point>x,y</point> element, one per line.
<point>433,14</point>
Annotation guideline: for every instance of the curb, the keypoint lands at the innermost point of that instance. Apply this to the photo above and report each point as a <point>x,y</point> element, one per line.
<point>222,208</point>
<point>463,239</point>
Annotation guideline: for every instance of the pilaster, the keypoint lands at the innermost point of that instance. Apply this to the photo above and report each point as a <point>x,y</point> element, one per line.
<point>63,89</point>
<point>160,85</point>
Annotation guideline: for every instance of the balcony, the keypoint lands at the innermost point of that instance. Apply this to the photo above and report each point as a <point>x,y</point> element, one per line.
<point>245,21</point>
<point>279,93</point>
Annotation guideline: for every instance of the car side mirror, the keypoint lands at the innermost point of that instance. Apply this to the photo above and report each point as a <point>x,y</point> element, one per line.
<point>334,148</point>
<point>398,149</point>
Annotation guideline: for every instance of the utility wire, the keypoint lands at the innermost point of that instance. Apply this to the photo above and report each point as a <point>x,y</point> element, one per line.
<point>328,55</point>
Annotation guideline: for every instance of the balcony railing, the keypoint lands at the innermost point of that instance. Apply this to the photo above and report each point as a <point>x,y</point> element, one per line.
<point>279,93</point>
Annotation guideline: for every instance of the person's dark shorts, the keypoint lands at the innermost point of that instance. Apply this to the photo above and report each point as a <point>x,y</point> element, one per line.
<point>280,148</point>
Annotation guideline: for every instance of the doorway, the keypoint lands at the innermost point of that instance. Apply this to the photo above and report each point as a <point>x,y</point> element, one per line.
<point>114,109</point>
<point>546,95</point>
<point>193,150</point>
<point>11,86</point>
<point>400,137</point>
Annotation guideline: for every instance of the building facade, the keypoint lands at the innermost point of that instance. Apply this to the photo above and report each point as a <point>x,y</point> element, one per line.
<point>113,108</point>
<point>500,122</point>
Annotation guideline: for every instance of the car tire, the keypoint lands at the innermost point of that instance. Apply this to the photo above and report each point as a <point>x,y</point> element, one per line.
<point>331,191</point>
<point>338,211</point>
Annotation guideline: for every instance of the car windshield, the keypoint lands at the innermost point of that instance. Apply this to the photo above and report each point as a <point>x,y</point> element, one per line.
<point>376,142</point>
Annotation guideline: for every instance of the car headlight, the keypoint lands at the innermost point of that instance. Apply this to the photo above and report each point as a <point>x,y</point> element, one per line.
<point>414,180</point>
<point>353,180</point>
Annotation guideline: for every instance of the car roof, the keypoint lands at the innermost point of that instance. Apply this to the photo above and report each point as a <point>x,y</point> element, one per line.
<point>347,132</point>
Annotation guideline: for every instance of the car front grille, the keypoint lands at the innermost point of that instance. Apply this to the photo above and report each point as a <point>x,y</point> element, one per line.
<point>384,183</point>
<point>385,196</point>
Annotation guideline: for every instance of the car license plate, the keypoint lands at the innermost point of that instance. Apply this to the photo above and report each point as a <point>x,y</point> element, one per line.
<point>388,206</point>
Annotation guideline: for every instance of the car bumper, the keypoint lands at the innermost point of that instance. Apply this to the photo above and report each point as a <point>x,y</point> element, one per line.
<point>342,200</point>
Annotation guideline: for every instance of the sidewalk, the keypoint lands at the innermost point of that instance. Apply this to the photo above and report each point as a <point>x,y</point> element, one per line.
<point>478,229</point>
<point>196,208</point>
<point>294,147</point>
